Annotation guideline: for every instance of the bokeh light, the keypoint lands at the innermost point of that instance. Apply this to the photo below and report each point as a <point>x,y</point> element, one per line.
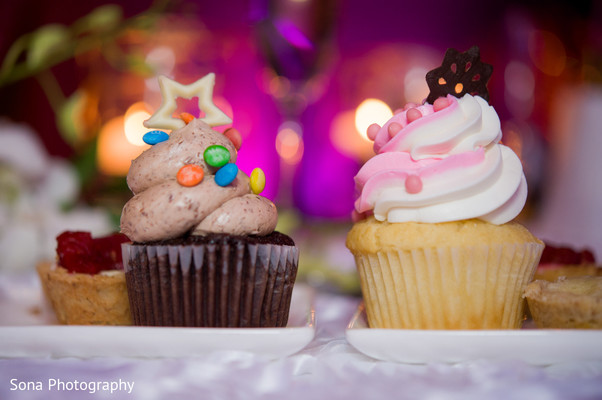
<point>519,85</point>
<point>162,60</point>
<point>415,87</point>
<point>371,111</point>
<point>547,52</point>
<point>289,143</point>
<point>115,152</point>
<point>133,126</point>
<point>347,139</point>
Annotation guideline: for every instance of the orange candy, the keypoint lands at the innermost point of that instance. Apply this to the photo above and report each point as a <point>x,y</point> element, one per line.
<point>186,117</point>
<point>190,175</point>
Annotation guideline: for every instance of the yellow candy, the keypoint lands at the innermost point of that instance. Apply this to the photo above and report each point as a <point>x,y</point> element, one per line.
<point>257,180</point>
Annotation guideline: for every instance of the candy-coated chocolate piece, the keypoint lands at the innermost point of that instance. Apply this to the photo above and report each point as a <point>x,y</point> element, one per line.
<point>234,136</point>
<point>257,180</point>
<point>186,117</point>
<point>413,184</point>
<point>154,137</point>
<point>190,175</point>
<point>413,114</point>
<point>216,156</point>
<point>226,174</point>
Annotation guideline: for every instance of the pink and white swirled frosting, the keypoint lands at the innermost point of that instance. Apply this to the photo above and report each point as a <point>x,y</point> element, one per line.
<point>445,165</point>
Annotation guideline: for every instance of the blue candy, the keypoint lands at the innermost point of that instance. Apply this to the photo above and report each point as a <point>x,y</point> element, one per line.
<point>154,137</point>
<point>226,174</point>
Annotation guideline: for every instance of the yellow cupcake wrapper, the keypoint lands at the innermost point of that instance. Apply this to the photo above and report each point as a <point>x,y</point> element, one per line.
<point>473,287</point>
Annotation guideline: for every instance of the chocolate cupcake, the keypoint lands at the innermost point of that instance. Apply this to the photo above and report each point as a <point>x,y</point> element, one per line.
<point>204,248</point>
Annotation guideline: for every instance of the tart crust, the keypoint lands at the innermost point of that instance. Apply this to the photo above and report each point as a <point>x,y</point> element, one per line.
<point>84,299</point>
<point>574,302</point>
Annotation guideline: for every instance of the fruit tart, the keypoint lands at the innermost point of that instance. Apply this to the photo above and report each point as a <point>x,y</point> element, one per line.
<point>562,260</point>
<point>86,284</point>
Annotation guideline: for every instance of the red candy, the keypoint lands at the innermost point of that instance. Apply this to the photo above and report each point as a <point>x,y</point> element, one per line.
<point>234,136</point>
<point>79,252</point>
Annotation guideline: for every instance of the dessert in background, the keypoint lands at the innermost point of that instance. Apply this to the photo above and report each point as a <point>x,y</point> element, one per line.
<point>204,248</point>
<point>557,261</point>
<point>86,285</point>
<point>434,238</point>
<point>574,302</point>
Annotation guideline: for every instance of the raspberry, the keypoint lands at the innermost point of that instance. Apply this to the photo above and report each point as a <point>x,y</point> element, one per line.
<point>565,255</point>
<point>79,252</point>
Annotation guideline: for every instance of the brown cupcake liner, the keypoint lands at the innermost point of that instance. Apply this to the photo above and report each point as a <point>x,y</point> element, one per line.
<point>229,283</point>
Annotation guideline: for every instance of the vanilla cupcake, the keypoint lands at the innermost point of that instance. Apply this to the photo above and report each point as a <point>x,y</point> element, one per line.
<point>434,239</point>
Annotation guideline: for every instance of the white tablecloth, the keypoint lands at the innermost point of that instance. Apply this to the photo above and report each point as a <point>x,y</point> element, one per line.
<point>328,368</point>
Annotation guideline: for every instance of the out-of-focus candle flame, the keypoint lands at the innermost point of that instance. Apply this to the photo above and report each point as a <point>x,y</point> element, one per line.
<point>133,123</point>
<point>371,111</point>
<point>115,152</point>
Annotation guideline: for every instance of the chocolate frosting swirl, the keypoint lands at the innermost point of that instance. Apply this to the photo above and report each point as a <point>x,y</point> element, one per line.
<point>163,209</point>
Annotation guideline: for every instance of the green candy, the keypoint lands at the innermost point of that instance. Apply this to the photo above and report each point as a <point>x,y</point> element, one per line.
<point>216,156</point>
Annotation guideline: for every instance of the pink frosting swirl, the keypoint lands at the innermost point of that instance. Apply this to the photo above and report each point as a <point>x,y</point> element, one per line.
<point>446,165</point>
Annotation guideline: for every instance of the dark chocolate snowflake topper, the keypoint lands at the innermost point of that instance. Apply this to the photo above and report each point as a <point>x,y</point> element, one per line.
<point>459,74</point>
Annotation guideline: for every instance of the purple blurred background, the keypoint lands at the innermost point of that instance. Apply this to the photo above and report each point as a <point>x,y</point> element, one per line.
<point>297,66</point>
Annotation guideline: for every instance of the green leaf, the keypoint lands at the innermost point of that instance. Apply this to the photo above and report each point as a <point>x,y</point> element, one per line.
<point>69,117</point>
<point>138,65</point>
<point>101,19</point>
<point>47,42</point>
<point>85,163</point>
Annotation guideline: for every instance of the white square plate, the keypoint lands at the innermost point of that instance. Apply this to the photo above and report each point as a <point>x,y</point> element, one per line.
<point>533,346</point>
<point>28,329</point>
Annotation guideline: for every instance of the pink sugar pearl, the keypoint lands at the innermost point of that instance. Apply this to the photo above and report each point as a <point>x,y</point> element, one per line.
<point>372,131</point>
<point>413,184</point>
<point>440,104</point>
<point>394,129</point>
<point>413,114</point>
<point>409,105</point>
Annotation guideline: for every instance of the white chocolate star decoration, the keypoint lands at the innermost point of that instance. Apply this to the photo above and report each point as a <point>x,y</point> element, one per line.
<point>171,90</point>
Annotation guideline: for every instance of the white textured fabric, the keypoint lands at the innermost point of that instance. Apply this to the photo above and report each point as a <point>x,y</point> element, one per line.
<point>328,368</point>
